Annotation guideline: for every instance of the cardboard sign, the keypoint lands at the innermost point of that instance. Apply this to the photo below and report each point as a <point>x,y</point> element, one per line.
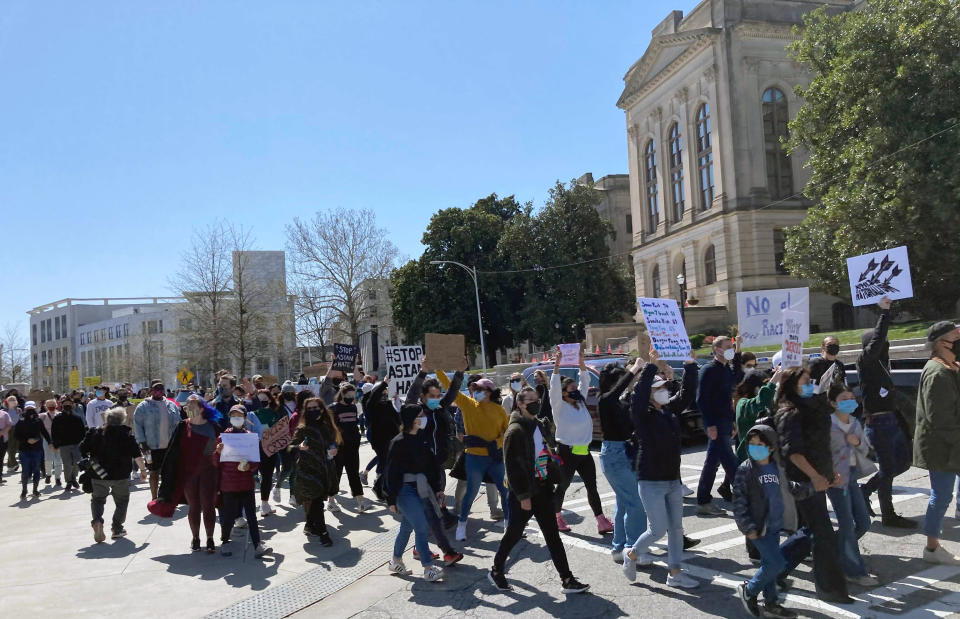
<point>880,274</point>
<point>445,352</point>
<point>276,437</point>
<point>240,446</point>
<point>569,354</point>
<point>792,349</point>
<point>317,369</point>
<point>403,365</point>
<point>344,356</point>
<point>665,328</point>
<point>760,314</point>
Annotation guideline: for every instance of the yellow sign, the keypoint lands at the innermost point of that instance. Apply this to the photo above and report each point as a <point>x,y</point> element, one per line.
<point>91,381</point>
<point>184,376</point>
<point>74,379</point>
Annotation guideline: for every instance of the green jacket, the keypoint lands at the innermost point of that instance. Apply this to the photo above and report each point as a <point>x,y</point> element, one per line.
<point>751,409</point>
<point>936,442</point>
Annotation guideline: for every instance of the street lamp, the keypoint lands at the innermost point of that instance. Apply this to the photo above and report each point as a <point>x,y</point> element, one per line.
<point>473,273</point>
<point>682,283</point>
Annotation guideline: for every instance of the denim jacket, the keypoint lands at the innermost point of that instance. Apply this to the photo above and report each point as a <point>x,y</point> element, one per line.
<point>146,421</point>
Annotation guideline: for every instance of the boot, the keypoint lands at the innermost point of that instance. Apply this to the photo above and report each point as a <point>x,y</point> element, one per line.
<point>23,494</point>
<point>36,490</point>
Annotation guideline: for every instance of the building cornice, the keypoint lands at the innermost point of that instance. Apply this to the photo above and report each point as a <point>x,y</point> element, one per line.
<point>765,30</point>
<point>635,87</point>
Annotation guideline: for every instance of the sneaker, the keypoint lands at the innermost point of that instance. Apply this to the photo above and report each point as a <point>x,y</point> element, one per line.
<point>325,539</point>
<point>332,505</point>
<point>240,523</point>
<point>118,533</point>
<point>604,525</point>
<point>562,524</point>
<point>276,495</point>
<point>687,490</point>
<point>261,549</point>
<point>56,482</point>
<point>709,509</point>
<point>940,556</point>
<point>450,558</point>
<point>365,477</point>
<point>195,544</point>
<point>644,560</point>
<point>363,504</point>
<point>416,555</point>
<point>461,532</point>
<point>432,573</point>
<point>498,580</point>
<point>46,480</point>
<point>309,532</point>
<point>776,609</point>
<point>784,584</point>
<point>617,556</point>
<point>211,547</point>
<point>98,534</point>
<point>23,494</point>
<point>496,514</point>
<point>864,581</point>
<point>572,585</point>
<point>629,567</point>
<point>36,493</point>
<point>725,493</point>
<point>689,542</point>
<point>749,601</point>
<point>397,567</point>
<point>898,522</point>
<point>266,509</point>
<point>682,581</point>
<point>226,548</point>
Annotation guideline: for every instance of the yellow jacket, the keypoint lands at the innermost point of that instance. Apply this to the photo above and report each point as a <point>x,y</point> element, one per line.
<point>486,419</point>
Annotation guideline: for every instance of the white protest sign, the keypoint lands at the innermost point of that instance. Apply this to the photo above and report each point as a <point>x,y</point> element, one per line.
<point>792,356</point>
<point>880,274</point>
<point>403,365</point>
<point>569,354</point>
<point>760,314</point>
<point>239,446</point>
<point>665,328</point>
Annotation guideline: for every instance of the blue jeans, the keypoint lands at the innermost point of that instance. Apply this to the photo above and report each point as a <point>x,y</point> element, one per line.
<point>476,467</point>
<point>853,520</point>
<point>893,457</point>
<point>663,501</point>
<point>30,460</point>
<point>772,565</point>
<point>719,452</point>
<point>629,517</point>
<point>412,518</point>
<point>941,493</point>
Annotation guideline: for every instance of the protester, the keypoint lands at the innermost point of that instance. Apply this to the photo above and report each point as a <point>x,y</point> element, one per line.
<point>763,504</point>
<point>532,470</point>
<point>383,423</point>
<point>574,435</point>
<point>112,447</point>
<point>851,461</point>
<point>97,407</point>
<point>517,383</point>
<point>753,399</point>
<point>883,420</point>
<point>937,439</point>
<point>52,464</point>
<point>542,385</point>
<point>30,434</point>
<point>13,411</point>
<point>225,398</point>
<point>803,424</point>
<point>718,379</point>
<point>748,360</point>
<point>236,489</point>
<point>6,426</point>
<point>829,350</point>
<point>268,413</point>
<point>317,439</point>
<point>655,417</point>
<point>154,422</point>
<point>345,415</point>
<point>287,458</point>
<point>66,434</point>
<point>413,484</point>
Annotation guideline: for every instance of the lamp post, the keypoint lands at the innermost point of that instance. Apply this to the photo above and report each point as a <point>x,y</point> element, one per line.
<point>473,273</point>
<point>682,283</point>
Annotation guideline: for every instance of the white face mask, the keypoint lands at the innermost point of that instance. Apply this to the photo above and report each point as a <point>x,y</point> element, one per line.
<point>236,422</point>
<point>661,396</point>
<point>729,353</point>
<point>515,385</point>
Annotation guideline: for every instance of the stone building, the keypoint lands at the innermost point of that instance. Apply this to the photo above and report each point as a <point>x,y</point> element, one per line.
<point>615,207</point>
<point>711,187</point>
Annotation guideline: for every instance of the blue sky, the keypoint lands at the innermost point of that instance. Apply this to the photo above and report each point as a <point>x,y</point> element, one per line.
<point>124,125</point>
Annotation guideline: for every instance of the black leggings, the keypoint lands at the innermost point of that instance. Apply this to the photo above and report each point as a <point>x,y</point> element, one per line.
<point>267,465</point>
<point>315,515</point>
<point>348,457</point>
<point>585,467</point>
<point>233,504</point>
<point>542,510</point>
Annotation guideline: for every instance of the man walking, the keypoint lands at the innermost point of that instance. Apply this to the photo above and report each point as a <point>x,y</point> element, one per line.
<point>154,422</point>
<point>97,407</point>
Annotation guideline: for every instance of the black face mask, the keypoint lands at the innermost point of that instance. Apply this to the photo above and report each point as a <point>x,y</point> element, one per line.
<point>575,395</point>
<point>289,397</point>
<point>833,349</point>
<point>348,400</point>
<point>313,415</point>
<point>533,408</point>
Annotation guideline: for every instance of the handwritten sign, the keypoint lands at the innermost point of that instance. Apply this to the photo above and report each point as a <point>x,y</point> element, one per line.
<point>880,274</point>
<point>569,354</point>
<point>343,357</point>
<point>445,351</point>
<point>403,365</point>
<point>240,446</point>
<point>665,328</point>
<point>276,437</point>
<point>760,314</point>
<point>792,349</point>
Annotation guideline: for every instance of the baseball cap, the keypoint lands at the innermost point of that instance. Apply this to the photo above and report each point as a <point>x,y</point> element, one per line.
<point>939,329</point>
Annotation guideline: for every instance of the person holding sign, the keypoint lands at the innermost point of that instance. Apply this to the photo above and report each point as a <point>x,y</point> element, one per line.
<point>574,434</point>
<point>718,379</point>
<point>384,423</point>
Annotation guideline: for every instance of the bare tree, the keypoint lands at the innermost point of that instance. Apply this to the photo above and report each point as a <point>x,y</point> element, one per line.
<point>14,355</point>
<point>336,251</point>
<point>246,318</point>
<point>314,319</point>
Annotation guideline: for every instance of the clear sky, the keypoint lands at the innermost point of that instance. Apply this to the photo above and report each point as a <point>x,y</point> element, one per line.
<point>124,125</point>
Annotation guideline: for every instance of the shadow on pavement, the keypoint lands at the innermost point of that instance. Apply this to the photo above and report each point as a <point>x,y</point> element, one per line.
<point>115,549</point>
<point>236,572</point>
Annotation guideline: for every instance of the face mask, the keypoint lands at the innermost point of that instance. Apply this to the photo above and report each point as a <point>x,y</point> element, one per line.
<point>480,396</point>
<point>264,401</point>
<point>421,422</point>
<point>99,394</point>
<point>289,397</point>
<point>833,349</point>
<point>806,391</point>
<point>729,353</point>
<point>758,452</point>
<point>433,403</point>
<point>575,395</point>
<point>313,414</point>
<point>847,406</point>
<point>348,400</point>
<point>533,408</point>
<point>236,422</point>
<point>515,385</point>
<point>661,396</point>
<point>51,410</point>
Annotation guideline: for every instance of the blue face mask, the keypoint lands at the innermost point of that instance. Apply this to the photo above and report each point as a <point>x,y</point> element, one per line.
<point>806,391</point>
<point>847,406</point>
<point>433,403</point>
<point>758,452</point>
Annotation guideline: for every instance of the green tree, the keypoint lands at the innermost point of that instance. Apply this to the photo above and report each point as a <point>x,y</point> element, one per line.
<point>880,125</point>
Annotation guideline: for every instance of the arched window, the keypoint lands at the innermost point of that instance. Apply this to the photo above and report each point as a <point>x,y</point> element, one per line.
<point>710,266</point>
<point>655,282</point>
<point>650,165</point>
<point>676,171</point>
<point>704,157</point>
<point>775,117</point>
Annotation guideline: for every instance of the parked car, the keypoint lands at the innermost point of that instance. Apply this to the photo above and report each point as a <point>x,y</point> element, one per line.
<point>906,377</point>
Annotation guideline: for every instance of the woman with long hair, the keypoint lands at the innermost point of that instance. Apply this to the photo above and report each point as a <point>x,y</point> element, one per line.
<point>345,414</point>
<point>269,412</point>
<point>316,440</point>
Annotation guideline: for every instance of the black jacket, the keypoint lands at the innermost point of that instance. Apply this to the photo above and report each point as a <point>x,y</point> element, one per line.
<point>408,454</point>
<point>520,454</point>
<point>804,428</point>
<point>615,415</point>
<point>382,419</point>
<point>346,417</point>
<point>819,367</point>
<point>546,409</point>
<point>659,430</point>
<point>30,427</point>
<point>436,434</point>
<point>66,429</point>
<point>113,447</point>
<point>873,366</point>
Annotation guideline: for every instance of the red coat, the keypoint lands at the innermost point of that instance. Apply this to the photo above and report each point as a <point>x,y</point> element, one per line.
<point>232,479</point>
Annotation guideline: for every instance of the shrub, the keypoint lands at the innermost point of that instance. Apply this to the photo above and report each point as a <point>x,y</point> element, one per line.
<point>696,341</point>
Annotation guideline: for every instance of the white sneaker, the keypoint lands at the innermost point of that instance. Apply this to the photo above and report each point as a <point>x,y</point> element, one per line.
<point>265,508</point>
<point>617,556</point>
<point>397,567</point>
<point>461,531</point>
<point>432,573</point>
<point>682,581</point>
<point>629,568</point>
<point>940,556</point>
<point>644,560</point>
<point>332,505</point>
<point>687,490</point>
<point>276,495</point>
<point>240,523</point>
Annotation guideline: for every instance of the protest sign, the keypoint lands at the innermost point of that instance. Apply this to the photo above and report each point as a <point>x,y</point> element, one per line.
<point>276,437</point>
<point>74,379</point>
<point>792,356</point>
<point>238,446</point>
<point>880,274</point>
<point>403,365</point>
<point>315,370</point>
<point>445,352</point>
<point>569,354</point>
<point>665,328</point>
<point>760,314</point>
<point>344,356</point>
